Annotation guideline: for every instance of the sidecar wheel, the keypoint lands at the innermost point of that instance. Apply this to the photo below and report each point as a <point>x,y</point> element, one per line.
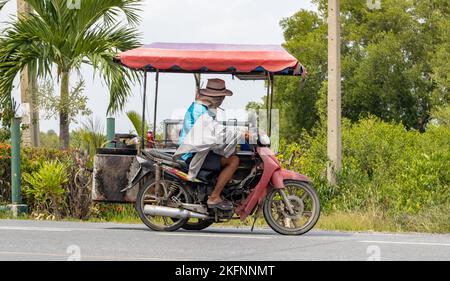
<point>197,225</point>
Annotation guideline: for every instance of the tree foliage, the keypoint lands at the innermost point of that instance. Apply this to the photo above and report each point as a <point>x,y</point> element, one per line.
<point>51,104</point>
<point>49,139</point>
<point>59,36</point>
<point>395,63</point>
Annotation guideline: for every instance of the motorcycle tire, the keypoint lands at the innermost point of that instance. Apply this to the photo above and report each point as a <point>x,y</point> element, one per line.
<point>177,223</point>
<point>295,231</point>
<point>200,225</point>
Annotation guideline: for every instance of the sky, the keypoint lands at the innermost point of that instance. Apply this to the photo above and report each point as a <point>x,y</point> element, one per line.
<point>188,21</point>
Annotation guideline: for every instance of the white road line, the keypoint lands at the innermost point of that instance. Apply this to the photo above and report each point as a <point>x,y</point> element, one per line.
<point>214,235</point>
<point>51,229</point>
<point>87,256</point>
<point>406,243</point>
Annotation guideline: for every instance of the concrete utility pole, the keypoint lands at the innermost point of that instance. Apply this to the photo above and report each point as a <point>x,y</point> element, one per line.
<point>334,143</point>
<point>28,89</point>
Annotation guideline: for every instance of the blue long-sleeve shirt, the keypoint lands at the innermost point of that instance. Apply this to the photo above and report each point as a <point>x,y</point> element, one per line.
<point>193,113</point>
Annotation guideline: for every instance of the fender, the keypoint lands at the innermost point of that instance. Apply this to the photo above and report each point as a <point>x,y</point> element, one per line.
<point>137,178</point>
<point>145,168</point>
<point>280,175</point>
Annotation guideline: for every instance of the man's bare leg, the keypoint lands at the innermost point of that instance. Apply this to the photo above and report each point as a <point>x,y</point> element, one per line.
<point>230,166</point>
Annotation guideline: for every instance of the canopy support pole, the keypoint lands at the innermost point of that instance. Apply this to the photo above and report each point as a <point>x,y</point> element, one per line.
<point>143,111</point>
<point>271,82</point>
<point>267,100</point>
<point>197,83</point>
<point>156,103</point>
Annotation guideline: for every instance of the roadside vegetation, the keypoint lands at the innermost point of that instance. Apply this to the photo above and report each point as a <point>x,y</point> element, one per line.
<point>396,127</point>
<point>392,180</point>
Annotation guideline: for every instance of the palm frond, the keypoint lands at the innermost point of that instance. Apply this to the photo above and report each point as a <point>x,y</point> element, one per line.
<point>91,134</point>
<point>3,3</point>
<point>130,8</point>
<point>19,47</point>
<point>104,12</point>
<point>136,119</point>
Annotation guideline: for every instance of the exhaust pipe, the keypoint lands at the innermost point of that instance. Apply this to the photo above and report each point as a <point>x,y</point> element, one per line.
<point>172,212</point>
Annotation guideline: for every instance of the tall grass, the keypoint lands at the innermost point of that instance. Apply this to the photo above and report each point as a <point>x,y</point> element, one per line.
<point>90,136</point>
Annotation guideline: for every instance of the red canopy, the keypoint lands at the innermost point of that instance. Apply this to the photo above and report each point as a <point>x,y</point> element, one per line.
<point>204,58</point>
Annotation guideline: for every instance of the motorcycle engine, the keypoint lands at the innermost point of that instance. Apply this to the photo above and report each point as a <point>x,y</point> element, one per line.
<point>234,193</point>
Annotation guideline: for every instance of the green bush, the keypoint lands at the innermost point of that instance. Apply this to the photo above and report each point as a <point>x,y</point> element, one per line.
<point>46,187</point>
<point>77,201</point>
<point>5,172</point>
<point>385,168</point>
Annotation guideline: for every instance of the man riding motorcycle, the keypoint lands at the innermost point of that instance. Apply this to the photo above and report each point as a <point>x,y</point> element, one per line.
<point>205,144</point>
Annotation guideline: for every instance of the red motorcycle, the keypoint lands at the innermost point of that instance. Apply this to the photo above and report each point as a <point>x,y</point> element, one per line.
<point>169,200</point>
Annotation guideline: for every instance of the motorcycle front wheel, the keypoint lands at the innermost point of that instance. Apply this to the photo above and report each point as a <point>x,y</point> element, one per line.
<point>304,209</point>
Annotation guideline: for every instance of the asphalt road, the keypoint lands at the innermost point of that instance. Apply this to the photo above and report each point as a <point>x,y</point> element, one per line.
<point>47,240</point>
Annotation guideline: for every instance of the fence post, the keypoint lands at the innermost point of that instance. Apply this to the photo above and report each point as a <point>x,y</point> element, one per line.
<point>110,131</point>
<point>16,198</point>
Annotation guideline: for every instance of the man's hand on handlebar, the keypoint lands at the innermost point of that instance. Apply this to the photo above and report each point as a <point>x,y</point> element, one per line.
<point>247,136</point>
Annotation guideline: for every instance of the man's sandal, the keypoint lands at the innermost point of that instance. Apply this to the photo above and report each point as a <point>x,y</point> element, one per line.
<point>223,205</point>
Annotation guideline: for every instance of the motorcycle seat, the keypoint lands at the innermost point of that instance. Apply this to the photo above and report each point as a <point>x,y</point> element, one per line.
<point>159,154</point>
<point>167,157</point>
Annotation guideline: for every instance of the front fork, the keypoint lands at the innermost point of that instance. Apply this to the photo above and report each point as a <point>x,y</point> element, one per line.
<point>259,207</point>
<point>286,202</point>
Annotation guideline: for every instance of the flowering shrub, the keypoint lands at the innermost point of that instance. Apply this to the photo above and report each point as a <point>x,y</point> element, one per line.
<point>5,171</point>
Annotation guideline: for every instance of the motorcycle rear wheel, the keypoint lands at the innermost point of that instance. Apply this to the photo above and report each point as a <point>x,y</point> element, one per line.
<point>146,196</point>
<point>277,215</point>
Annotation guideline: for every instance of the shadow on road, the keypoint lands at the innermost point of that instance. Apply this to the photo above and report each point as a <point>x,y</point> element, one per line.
<point>234,231</point>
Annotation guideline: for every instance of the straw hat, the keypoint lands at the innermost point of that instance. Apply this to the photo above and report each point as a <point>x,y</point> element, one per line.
<point>216,88</point>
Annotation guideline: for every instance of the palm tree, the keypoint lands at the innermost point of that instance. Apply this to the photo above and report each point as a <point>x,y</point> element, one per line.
<point>63,37</point>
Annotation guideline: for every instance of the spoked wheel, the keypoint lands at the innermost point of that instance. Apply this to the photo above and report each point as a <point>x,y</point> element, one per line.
<point>197,224</point>
<point>83,178</point>
<point>303,213</point>
<point>170,194</point>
